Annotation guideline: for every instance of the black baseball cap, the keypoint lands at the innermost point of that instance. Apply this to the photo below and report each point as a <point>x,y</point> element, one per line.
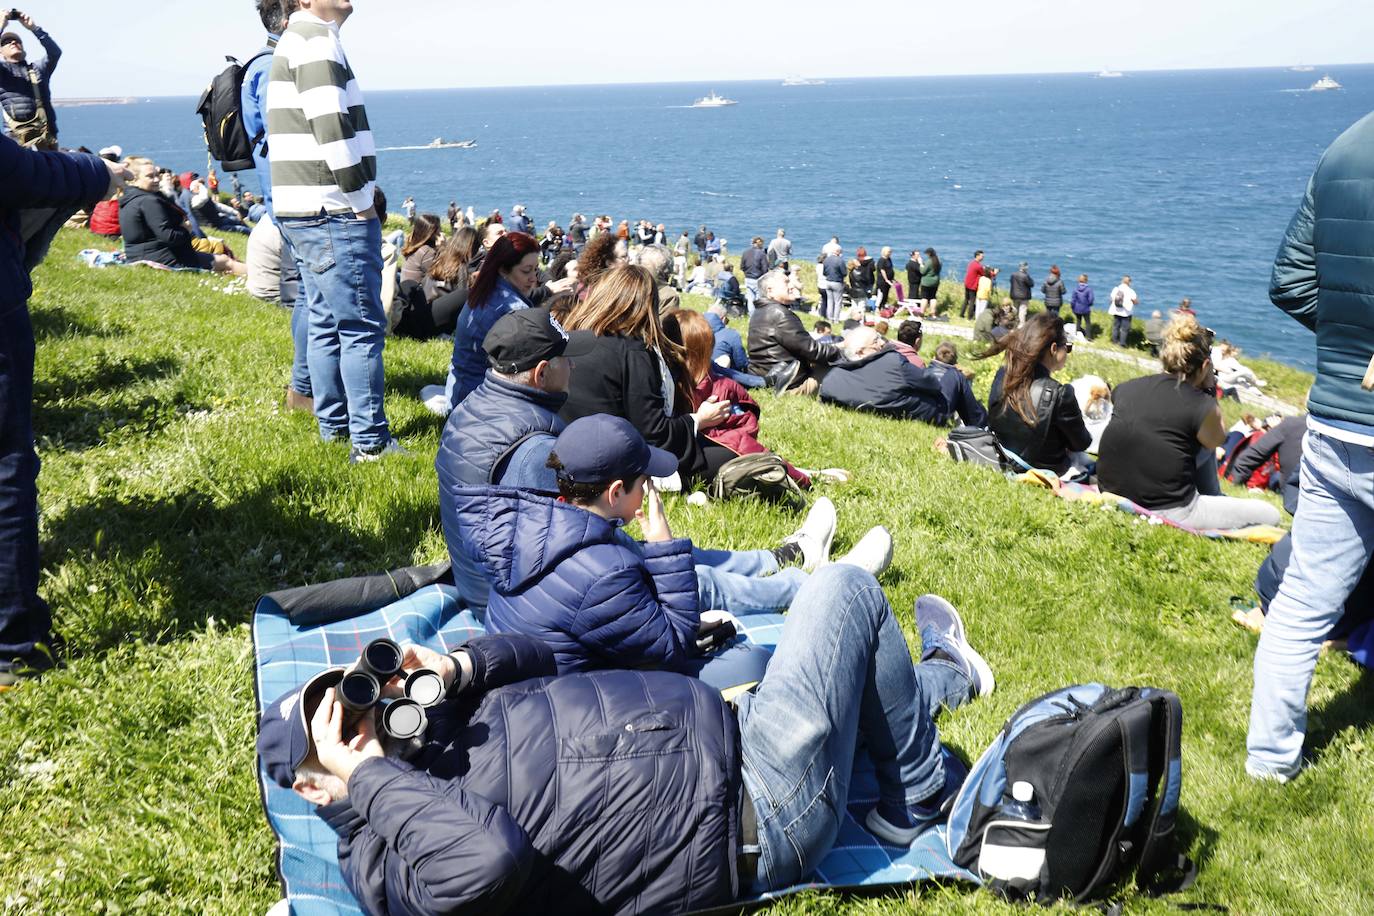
<point>524,338</point>
<point>284,740</point>
<point>602,448</point>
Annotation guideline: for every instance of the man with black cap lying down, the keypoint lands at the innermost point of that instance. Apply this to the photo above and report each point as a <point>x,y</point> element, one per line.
<point>633,791</point>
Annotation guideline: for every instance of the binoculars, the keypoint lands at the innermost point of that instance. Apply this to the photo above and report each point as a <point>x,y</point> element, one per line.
<point>402,718</point>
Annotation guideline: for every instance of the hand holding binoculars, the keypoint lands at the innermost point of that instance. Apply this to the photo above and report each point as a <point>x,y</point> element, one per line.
<point>379,664</point>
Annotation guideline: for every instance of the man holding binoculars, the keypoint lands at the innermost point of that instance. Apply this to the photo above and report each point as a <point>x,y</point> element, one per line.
<point>623,791</point>
<point>25,96</point>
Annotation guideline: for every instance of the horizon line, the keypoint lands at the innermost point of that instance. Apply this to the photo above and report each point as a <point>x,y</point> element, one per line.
<point>778,80</point>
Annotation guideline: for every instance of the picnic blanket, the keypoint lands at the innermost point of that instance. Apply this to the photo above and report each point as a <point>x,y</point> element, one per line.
<point>286,656</point>
<point>1089,493</point>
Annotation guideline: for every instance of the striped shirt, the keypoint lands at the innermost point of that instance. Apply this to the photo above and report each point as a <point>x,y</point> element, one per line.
<point>318,139</point>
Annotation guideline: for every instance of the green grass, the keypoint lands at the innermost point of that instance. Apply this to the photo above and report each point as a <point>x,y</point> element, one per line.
<point>176,490</point>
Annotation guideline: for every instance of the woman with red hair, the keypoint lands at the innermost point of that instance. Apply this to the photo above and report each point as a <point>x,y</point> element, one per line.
<point>509,274</point>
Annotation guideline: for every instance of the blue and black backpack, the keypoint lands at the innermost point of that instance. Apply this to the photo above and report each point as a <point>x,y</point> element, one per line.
<point>1104,774</point>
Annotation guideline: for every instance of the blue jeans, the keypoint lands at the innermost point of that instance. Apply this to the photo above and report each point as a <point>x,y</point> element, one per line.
<point>341,286</point>
<point>300,321</point>
<point>24,617</point>
<point>1121,330</point>
<point>739,581</point>
<point>743,378</point>
<point>841,669</point>
<point>1333,538</point>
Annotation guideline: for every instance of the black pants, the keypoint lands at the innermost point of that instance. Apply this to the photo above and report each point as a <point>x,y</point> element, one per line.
<point>970,303</point>
<point>883,290</point>
<point>1084,324</point>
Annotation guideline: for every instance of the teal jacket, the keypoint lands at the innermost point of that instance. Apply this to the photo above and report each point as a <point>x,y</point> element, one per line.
<point>1324,274</point>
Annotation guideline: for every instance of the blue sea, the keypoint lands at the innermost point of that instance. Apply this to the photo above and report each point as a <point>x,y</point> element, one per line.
<point>1185,180</point>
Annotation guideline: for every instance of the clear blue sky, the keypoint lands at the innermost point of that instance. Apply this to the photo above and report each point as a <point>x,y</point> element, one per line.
<point>173,49</point>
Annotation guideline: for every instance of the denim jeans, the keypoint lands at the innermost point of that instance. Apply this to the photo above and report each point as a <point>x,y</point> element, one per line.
<point>834,300</point>
<point>743,378</point>
<point>1333,537</point>
<point>24,617</point>
<point>300,320</point>
<point>751,292</point>
<point>739,581</point>
<point>841,670</point>
<point>341,286</point>
<point>1121,329</point>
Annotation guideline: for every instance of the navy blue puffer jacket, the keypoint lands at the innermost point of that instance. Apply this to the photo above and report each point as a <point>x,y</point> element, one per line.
<point>564,575</point>
<point>604,792</point>
<point>887,383</point>
<point>1324,274</point>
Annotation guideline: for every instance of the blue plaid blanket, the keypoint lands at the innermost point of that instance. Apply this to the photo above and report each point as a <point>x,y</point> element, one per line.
<point>287,656</point>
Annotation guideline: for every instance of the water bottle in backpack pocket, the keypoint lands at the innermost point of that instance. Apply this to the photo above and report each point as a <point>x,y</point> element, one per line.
<point>1013,845</point>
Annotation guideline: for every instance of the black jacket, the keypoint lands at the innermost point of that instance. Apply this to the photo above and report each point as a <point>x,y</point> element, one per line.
<point>622,377</point>
<point>777,336</point>
<point>887,383</point>
<point>1058,429</point>
<point>754,263</point>
<point>154,229</point>
<point>1286,440</point>
<point>1021,285</point>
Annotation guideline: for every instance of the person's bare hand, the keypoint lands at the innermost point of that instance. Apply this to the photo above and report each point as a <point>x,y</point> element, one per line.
<point>27,20</point>
<point>559,286</point>
<point>336,755</point>
<point>712,413</point>
<point>119,175</point>
<point>653,520</point>
<point>417,657</point>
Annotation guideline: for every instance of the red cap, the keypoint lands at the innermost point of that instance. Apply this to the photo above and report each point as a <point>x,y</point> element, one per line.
<point>188,177</point>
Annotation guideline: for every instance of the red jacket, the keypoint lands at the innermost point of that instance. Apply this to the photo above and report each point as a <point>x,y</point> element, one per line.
<point>105,218</point>
<point>740,431</point>
<point>975,270</point>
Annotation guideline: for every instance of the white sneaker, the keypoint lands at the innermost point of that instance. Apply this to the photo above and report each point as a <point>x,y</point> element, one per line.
<point>435,400</point>
<point>873,553</point>
<point>815,534</point>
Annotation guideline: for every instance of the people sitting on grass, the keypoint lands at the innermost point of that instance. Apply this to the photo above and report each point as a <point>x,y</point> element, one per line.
<point>727,348</point>
<point>738,433</point>
<point>561,569</point>
<point>727,291</point>
<point>988,319</point>
<point>876,378</point>
<point>698,283</point>
<point>1281,445</point>
<point>211,214</point>
<point>510,272</point>
<point>658,261</point>
<point>421,249</point>
<point>670,818</point>
<point>597,257</point>
<point>1160,423</point>
<point>634,371</point>
<point>908,342</point>
<point>266,279</point>
<point>822,331</point>
<point>155,229</point>
<point>780,349</point>
<point>1034,416</point>
<point>957,385</point>
<point>1154,331</point>
<point>1231,372</point>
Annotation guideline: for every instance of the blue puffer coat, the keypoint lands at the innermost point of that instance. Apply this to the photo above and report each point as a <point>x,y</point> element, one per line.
<point>560,574</point>
<point>469,359</point>
<point>29,178</point>
<point>605,792</point>
<point>1324,274</point>
<point>887,383</point>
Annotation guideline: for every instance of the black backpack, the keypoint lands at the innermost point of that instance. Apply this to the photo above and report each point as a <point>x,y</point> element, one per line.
<point>221,111</point>
<point>1106,772</point>
<point>971,445</point>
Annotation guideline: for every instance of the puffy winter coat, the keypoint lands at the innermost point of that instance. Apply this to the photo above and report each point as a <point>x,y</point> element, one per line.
<point>105,218</point>
<point>469,359</point>
<point>28,179</point>
<point>565,576</point>
<point>886,383</point>
<point>16,85</point>
<point>1324,274</point>
<point>1082,301</point>
<point>154,229</point>
<point>605,792</point>
<point>777,336</point>
<point>740,431</point>
<point>1021,285</point>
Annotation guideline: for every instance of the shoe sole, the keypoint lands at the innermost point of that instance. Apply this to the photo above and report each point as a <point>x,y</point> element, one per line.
<point>829,536</point>
<point>894,836</point>
<point>986,681</point>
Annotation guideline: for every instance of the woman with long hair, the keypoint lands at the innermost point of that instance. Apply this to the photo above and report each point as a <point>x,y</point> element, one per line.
<point>421,248</point>
<point>930,282</point>
<point>1165,428</point>
<point>598,256</point>
<point>635,371</point>
<point>1033,415</point>
<point>445,290</point>
<point>509,274</point>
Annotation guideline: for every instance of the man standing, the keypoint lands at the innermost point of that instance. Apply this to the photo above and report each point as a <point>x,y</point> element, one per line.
<point>1123,304</point>
<point>453,214</point>
<point>780,251</point>
<point>754,264</point>
<point>972,275</point>
<point>1021,287</point>
<point>519,222</point>
<point>28,180</point>
<point>25,96</point>
<point>253,104</point>
<point>700,241</point>
<point>1324,278</point>
<point>324,167</point>
<point>408,208</point>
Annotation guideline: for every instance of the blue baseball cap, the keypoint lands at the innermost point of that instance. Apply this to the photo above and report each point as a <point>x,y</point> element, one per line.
<point>602,448</point>
<point>284,740</point>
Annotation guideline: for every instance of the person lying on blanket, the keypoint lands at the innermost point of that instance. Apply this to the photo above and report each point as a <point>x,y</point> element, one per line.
<point>634,791</point>
<point>561,569</point>
<point>502,433</point>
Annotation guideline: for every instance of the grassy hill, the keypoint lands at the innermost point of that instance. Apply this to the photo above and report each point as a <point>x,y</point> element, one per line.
<point>176,490</point>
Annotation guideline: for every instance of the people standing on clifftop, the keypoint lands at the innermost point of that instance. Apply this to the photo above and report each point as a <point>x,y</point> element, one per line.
<point>930,282</point>
<point>780,251</point>
<point>885,276</point>
<point>25,96</point>
<point>986,284</point>
<point>1123,304</point>
<point>862,276</point>
<point>1021,287</point>
<point>832,272</point>
<point>972,274</point>
<point>1053,290</point>
<point>1082,307</point>
<point>753,264</point>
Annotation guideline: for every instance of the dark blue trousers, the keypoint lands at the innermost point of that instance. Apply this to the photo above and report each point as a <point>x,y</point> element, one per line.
<point>24,617</point>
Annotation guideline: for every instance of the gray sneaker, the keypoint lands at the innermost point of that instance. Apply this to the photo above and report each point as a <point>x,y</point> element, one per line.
<point>942,628</point>
<point>359,456</point>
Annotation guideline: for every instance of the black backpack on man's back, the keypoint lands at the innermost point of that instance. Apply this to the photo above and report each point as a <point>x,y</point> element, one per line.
<point>221,111</point>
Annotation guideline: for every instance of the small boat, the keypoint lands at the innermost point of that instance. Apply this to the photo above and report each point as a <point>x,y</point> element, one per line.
<point>1323,84</point>
<point>1301,68</point>
<point>441,143</point>
<point>1109,74</point>
<point>802,81</point>
<point>713,101</point>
